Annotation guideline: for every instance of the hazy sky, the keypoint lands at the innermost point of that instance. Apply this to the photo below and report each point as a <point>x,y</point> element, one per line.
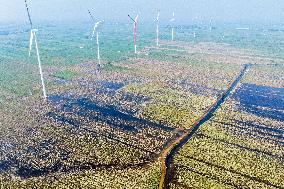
<point>186,10</point>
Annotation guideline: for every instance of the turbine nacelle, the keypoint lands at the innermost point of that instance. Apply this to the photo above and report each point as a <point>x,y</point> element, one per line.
<point>134,20</point>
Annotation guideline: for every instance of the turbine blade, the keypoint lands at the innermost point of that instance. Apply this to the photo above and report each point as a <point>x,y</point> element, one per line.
<point>91,16</point>
<point>173,18</point>
<point>31,43</point>
<point>29,14</point>
<point>93,34</point>
<point>136,19</point>
<point>97,24</point>
<point>131,18</point>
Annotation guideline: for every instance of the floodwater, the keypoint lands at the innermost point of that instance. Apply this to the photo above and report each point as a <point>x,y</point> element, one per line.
<point>262,101</point>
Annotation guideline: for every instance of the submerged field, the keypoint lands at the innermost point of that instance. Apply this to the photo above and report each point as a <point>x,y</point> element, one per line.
<point>241,146</point>
<point>106,126</point>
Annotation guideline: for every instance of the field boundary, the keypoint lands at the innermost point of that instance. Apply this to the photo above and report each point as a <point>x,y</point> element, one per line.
<point>168,154</point>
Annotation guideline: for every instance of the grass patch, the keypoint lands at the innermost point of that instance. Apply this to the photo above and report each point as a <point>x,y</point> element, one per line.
<point>115,68</point>
<point>171,106</point>
<point>65,74</point>
<point>144,178</point>
<point>231,153</point>
<point>166,114</point>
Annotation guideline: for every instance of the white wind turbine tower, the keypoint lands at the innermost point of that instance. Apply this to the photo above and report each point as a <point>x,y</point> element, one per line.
<point>157,30</point>
<point>134,31</point>
<point>33,38</point>
<point>97,34</point>
<point>172,20</point>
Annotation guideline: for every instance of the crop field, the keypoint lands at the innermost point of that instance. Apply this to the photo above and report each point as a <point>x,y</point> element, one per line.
<point>107,125</point>
<point>241,146</point>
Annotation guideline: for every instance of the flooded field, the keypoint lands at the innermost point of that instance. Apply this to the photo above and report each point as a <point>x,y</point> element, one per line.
<point>262,101</point>
<point>240,146</point>
<point>113,124</point>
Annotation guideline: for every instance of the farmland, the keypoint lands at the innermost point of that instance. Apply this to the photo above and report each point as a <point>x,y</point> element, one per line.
<point>107,126</point>
<point>242,144</point>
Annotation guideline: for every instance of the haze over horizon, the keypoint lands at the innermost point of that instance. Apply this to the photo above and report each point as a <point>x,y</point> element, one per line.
<point>266,11</point>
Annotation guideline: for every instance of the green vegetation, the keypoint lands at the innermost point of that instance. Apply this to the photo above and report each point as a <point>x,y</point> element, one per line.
<point>115,68</point>
<point>171,107</point>
<point>218,155</point>
<point>144,178</point>
<point>275,80</point>
<point>17,79</point>
<point>169,55</point>
<point>65,74</point>
<point>106,127</point>
<point>234,149</point>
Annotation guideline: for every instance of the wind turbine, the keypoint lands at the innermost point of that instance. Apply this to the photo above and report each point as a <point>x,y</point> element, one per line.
<point>33,38</point>
<point>158,21</point>
<point>97,33</point>
<point>172,20</point>
<point>134,31</point>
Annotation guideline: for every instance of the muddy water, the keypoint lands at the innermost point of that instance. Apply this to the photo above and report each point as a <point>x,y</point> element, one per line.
<point>262,101</point>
